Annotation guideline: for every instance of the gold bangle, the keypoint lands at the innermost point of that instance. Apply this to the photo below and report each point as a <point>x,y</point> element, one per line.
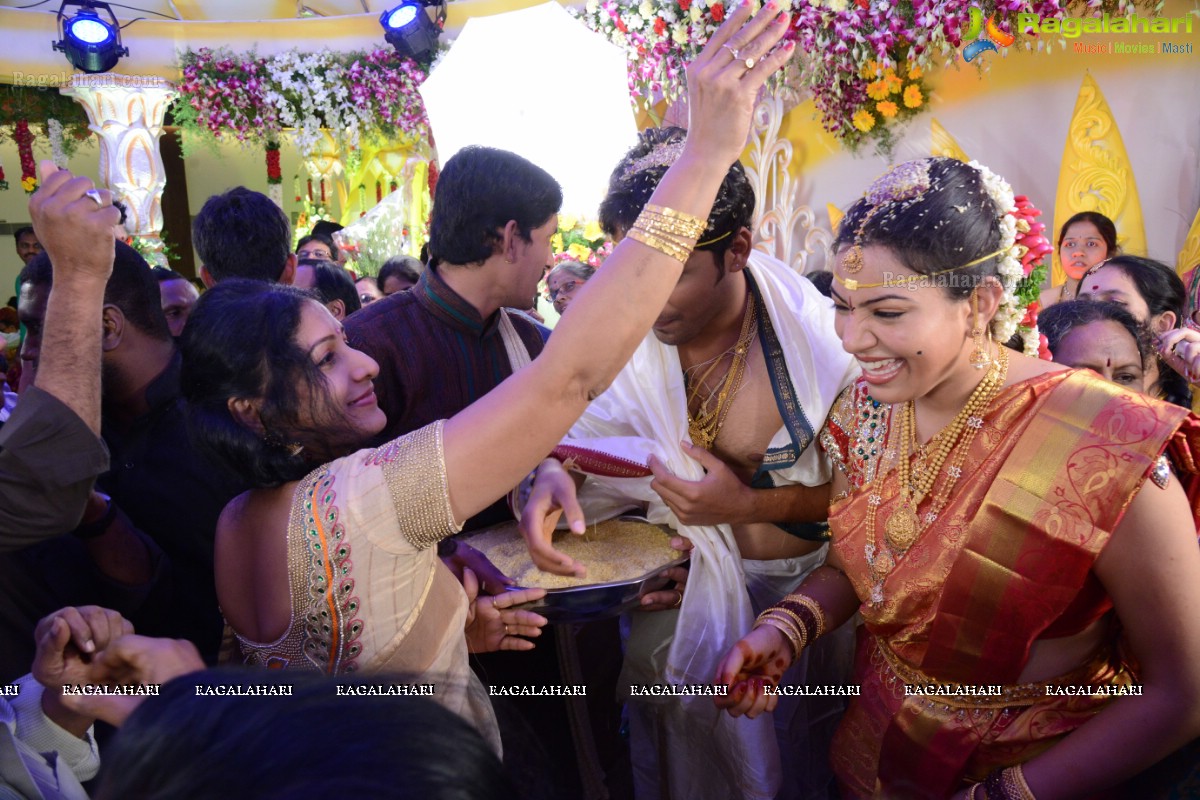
<point>783,628</point>
<point>1014,779</point>
<point>683,216</point>
<point>796,620</point>
<point>778,624</point>
<point>781,622</point>
<point>773,613</point>
<point>800,635</point>
<point>681,235</point>
<point>671,212</point>
<point>813,606</point>
<point>670,224</point>
<point>669,248</point>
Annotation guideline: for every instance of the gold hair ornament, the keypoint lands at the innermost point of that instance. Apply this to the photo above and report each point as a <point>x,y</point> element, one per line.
<point>901,182</point>
<point>852,284</point>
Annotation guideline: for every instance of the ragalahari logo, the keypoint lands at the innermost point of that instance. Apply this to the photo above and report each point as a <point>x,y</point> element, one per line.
<point>992,39</point>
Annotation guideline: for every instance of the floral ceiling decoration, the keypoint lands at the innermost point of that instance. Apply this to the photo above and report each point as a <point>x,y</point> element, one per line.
<point>355,99</point>
<point>865,63</point>
<point>253,100</point>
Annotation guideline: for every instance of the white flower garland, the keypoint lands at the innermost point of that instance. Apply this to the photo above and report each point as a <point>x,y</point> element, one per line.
<point>54,130</point>
<point>1011,312</point>
<point>317,80</point>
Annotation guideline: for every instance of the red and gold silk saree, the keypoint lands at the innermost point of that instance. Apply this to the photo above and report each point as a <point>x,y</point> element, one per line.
<point>1008,561</point>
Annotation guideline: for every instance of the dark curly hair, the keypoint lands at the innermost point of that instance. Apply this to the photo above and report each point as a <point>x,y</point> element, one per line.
<point>948,225</point>
<point>632,183</point>
<point>240,342</point>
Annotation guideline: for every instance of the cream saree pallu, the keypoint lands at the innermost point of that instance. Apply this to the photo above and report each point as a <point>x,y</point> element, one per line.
<point>704,753</point>
<point>1006,562</point>
<point>369,593</point>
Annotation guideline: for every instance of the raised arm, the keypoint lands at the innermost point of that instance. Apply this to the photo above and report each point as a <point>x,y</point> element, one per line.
<point>74,222</point>
<point>50,448</point>
<point>494,443</point>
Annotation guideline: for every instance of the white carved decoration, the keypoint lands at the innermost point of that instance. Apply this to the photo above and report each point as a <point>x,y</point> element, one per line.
<point>127,114</point>
<point>783,226</point>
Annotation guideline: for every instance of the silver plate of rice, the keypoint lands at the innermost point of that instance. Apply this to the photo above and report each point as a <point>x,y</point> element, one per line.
<point>624,558</point>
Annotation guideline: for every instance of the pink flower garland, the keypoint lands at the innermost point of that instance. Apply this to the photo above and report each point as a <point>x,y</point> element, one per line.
<point>222,94</point>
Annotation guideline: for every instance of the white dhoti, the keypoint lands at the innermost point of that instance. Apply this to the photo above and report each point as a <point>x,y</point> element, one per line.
<point>702,752</point>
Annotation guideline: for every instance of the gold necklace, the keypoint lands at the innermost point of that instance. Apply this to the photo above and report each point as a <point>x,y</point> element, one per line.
<point>903,525</point>
<point>704,424</point>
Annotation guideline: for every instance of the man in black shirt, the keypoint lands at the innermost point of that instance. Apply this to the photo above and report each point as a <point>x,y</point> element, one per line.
<point>156,481</point>
<point>50,448</point>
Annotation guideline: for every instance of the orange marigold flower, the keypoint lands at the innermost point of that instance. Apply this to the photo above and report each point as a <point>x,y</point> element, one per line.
<point>877,90</point>
<point>915,72</point>
<point>863,120</point>
<point>913,97</point>
<point>893,83</point>
<point>887,108</point>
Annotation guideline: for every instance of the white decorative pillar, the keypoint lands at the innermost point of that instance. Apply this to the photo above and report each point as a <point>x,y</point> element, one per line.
<point>126,112</point>
<point>784,226</point>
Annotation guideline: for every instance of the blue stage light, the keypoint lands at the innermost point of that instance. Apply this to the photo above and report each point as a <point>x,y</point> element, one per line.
<point>409,28</point>
<point>91,44</point>
<point>399,17</point>
<point>87,28</point>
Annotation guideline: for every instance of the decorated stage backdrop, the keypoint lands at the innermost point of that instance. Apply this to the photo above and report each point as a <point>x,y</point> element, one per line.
<point>1014,106</point>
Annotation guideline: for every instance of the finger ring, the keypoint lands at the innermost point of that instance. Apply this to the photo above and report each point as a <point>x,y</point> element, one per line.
<point>95,195</point>
<point>749,62</point>
<point>678,599</point>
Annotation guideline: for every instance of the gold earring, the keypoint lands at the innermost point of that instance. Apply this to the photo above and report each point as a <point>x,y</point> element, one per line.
<point>980,357</point>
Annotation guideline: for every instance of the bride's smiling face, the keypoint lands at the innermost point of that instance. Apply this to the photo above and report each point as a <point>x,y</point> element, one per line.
<point>909,338</point>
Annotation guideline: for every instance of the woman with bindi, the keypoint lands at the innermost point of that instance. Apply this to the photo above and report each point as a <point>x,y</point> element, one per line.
<point>1085,240</point>
<point>1101,336</point>
<point>1156,297</point>
<point>996,521</point>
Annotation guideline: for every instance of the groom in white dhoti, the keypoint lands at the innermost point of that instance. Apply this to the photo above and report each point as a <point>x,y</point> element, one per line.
<point>724,403</point>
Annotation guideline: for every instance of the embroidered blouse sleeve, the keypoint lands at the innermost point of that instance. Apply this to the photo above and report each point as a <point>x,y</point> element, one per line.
<point>414,468</point>
<point>854,434</point>
<point>838,432</point>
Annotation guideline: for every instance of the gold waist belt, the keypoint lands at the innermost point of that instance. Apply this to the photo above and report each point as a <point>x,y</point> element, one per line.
<point>1097,671</point>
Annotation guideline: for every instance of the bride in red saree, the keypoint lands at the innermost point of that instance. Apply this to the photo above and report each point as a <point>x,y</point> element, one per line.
<point>1027,595</point>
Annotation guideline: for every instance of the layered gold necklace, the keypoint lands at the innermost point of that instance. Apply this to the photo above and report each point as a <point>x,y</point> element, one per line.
<point>904,525</point>
<point>707,414</point>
